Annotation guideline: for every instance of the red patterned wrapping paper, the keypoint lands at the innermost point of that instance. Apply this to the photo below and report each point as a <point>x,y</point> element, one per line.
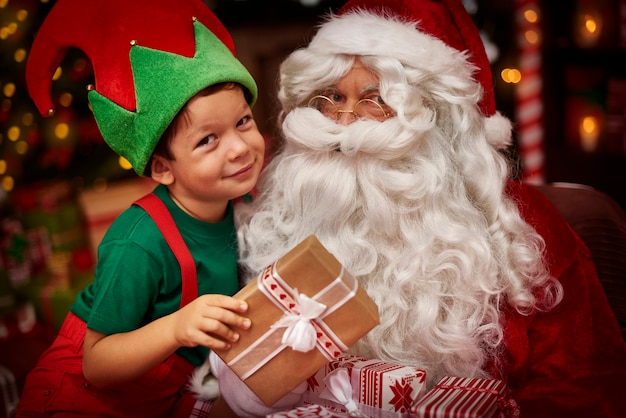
<point>457,397</point>
<point>309,411</point>
<point>379,388</point>
<point>308,295</point>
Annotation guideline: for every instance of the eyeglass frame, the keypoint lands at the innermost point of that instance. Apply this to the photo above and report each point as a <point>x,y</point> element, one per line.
<point>385,114</point>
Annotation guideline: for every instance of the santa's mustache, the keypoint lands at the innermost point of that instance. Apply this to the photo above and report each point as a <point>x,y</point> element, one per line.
<point>387,140</point>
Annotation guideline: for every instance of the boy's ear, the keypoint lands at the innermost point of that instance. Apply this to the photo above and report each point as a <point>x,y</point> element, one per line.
<point>161,171</point>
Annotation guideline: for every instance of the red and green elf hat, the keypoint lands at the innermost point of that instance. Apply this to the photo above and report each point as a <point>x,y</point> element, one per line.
<point>149,58</point>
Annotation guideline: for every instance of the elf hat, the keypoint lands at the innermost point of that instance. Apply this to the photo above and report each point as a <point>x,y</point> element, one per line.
<point>438,34</point>
<point>149,58</point>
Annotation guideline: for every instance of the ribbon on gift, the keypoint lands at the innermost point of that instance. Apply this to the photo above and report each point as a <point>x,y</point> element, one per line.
<point>339,389</point>
<point>303,318</point>
<point>300,333</point>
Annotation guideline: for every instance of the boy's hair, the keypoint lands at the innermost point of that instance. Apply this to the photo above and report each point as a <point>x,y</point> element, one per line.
<point>162,148</point>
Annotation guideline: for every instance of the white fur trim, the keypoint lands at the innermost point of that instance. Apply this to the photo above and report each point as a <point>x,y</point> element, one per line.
<point>498,130</point>
<point>203,384</point>
<point>365,33</point>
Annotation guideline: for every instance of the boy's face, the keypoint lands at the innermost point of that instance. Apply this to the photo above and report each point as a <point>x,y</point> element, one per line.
<point>217,152</point>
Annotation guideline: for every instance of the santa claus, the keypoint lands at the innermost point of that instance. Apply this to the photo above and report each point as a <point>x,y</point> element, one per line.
<point>391,156</point>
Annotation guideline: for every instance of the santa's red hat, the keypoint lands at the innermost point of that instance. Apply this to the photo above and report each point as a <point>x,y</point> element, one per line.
<point>434,33</point>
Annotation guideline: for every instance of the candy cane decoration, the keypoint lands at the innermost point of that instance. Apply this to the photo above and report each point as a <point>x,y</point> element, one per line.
<point>529,105</point>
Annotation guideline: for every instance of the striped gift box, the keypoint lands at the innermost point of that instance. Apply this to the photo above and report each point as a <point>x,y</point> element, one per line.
<point>309,411</point>
<point>457,397</point>
<point>380,389</point>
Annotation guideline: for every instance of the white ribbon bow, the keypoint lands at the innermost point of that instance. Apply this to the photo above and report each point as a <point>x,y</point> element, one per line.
<point>300,333</point>
<point>338,389</point>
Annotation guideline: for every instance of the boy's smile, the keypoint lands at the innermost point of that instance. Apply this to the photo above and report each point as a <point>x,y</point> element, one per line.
<point>218,154</point>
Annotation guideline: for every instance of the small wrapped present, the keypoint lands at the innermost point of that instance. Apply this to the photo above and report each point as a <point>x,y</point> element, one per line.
<point>309,411</point>
<point>366,387</point>
<point>102,205</point>
<point>457,397</point>
<point>305,310</point>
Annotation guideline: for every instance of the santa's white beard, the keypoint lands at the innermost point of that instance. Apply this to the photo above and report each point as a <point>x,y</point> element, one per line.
<point>382,199</point>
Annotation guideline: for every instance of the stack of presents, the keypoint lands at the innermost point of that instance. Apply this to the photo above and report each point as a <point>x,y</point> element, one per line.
<point>308,310</point>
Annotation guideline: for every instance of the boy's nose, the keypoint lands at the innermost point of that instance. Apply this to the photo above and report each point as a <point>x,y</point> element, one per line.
<point>238,147</point>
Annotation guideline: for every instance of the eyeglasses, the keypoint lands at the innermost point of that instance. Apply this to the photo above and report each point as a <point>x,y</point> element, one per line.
<point>363,109</point>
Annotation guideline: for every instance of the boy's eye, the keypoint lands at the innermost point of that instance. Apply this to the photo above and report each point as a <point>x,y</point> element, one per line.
<point>244,120</point>
<point>207,140</point>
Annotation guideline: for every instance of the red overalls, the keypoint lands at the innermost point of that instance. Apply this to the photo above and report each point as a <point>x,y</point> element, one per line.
<point>56,385</point>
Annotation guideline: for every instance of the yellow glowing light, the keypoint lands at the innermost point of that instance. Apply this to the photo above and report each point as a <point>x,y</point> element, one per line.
<point>515,75</point>
<point>589,130</point>
<point>66,99</point>
<point>62,130</point>
<point>505,75</point>
<point>588,27</point>
<point>21,147</point>
<point>8,183</point>
<point>57,73</point>
<point>13,133</point>
<point>531,15</point>
<point>19,55</point>
<point>22,15</point>
<point>511,75</point>
<point>12,28</point>
<point>3,3</point>
<point>531,36</point>
<point>4,32</point>
<point>9,89</point>
<point>27,119</point>
<point>3,167</point>
<point>590,24</point>
<point>124,163</point>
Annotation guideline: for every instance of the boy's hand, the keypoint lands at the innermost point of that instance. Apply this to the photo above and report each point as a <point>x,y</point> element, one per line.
<point>211,321</point>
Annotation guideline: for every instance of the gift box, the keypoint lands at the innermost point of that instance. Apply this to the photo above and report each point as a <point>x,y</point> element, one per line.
<point>102,205</point>
<point>376,388</point>
<point>308,411</point>
<point>306,309</point>
<point>457,397</point>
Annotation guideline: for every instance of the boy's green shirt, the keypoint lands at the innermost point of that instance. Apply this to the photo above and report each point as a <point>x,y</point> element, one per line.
<point>138,280</point>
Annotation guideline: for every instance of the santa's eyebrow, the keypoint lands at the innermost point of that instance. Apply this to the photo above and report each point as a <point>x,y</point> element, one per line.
<point>371,88</point>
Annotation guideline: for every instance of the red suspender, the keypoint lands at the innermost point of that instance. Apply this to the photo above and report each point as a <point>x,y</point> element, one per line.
<point>162,217</point>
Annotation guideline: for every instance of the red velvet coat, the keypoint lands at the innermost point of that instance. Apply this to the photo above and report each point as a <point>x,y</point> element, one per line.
<point>570,362</point>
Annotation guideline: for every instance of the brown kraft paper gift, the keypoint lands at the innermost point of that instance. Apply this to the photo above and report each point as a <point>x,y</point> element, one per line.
<point>270,367</point>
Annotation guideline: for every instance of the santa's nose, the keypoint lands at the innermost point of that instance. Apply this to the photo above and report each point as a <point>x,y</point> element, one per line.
<point>346,117</point>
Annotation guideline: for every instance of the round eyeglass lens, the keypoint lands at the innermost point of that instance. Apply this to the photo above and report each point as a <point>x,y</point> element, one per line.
<point>370,109</point>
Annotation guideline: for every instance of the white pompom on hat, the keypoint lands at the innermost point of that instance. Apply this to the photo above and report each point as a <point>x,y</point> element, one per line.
<point>437,32</point>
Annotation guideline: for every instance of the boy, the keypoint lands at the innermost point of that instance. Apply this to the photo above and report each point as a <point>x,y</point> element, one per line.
<point>136,333</point>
